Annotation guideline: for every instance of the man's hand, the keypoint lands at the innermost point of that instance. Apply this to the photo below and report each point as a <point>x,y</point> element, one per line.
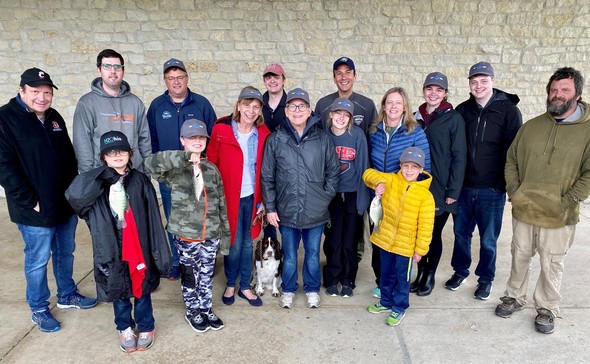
<point>273,219</point>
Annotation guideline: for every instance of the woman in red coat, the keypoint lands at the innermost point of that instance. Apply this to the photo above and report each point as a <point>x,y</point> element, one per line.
<point>236,148</point>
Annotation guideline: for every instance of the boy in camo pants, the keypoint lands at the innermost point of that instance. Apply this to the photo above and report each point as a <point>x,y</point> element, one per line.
<point>198,219</point>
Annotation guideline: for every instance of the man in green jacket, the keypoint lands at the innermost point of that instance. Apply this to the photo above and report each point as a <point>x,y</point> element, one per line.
<point>547,177</point>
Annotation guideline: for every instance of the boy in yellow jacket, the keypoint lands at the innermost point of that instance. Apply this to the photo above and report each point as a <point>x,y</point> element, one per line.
<point>404,232</point>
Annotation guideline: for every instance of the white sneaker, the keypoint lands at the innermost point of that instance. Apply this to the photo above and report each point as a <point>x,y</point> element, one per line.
<point>313,300</point>
<point>287,300</point>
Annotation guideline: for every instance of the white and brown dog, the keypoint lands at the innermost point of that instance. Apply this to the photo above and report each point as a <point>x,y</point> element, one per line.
<point>268,266</point>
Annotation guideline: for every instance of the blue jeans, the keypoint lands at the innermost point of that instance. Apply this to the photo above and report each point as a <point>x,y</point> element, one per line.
<point>41,243</point>
<point>239,260</point>
<point>312,275</point>
<point>143,313</point>
<point>167,204</point>
<point>396,271</point>
<point>483,207</point>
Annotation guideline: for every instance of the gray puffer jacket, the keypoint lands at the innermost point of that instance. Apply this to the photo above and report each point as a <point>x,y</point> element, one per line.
<point>300,175</point>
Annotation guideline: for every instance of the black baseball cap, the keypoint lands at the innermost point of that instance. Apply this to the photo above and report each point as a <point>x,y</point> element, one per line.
<point>114,140</point>
<point>36,77</point>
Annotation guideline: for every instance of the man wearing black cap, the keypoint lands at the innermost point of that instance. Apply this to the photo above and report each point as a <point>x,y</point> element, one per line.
<point>37,164</point>
<point>344,76</point>
<point>109,105</point>
<point>165,116</point>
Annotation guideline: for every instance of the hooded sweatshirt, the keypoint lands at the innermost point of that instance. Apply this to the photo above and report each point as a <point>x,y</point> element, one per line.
<point>97,112</point>
<point>548,170</point>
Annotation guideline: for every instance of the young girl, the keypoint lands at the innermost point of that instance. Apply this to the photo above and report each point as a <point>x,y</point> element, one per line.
<point>130,251</point>
<point>350,202</point>
<point>198,219</point>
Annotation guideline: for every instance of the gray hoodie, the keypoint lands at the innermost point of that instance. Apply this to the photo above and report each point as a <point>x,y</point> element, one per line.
<point>97,112</point>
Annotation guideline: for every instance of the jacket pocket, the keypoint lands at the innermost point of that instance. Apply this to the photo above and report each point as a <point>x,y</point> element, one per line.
<point>539,201</point>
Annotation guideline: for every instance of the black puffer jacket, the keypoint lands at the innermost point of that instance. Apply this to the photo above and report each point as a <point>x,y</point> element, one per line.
<point>448,155</point>
<point>89,196</point>
<point>489,132</point>
<point>300,177</point>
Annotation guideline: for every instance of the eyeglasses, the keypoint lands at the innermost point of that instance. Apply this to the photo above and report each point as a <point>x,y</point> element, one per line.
<point>172,79</point>
<point>116,67</point>
<point>300,107</point>
<point>112,153</point>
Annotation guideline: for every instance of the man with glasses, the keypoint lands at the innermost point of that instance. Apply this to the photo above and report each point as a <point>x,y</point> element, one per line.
<point>492,120</point>
<point>344,77</point>
<point>110,105</point>
<point>37,164</point>
<point>299,179</point>
<point>165,117</point>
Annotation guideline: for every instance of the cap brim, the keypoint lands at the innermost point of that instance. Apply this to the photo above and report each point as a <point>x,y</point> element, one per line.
<point>41,83</point>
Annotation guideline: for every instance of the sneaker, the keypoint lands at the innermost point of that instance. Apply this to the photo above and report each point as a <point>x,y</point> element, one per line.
<point>454,283</point>
<point>332,290</point>
<point>198,321</point>
<point>214,321</point>
<point>377,293</point>
<point>508,306</point>
<point>174,273</point>
<point>146,340</point>
<point>346,291</point>
<point>377,308</point>
<point>76,300</point>
<point>313,300</point>
<point>45,321</point>
<point>394,318</point>
<point>483,291</point>
<point>544,321</point>
<point>287,300</point>
<point>128,343</point>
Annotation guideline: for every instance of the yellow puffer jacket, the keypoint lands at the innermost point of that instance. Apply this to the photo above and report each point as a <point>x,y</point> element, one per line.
<point>408,213</point>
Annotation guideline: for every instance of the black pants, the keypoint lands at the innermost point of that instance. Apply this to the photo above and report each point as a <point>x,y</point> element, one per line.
<point>341,241</point>
<point>430,261</point>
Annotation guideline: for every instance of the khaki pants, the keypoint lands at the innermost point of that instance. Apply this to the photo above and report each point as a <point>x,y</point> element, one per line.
<point>552,245</point>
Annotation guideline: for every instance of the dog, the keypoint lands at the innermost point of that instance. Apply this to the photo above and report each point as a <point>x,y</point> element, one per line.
<point>268,266</point>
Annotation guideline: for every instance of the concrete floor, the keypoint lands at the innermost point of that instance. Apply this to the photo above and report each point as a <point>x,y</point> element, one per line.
<point>445,327</point>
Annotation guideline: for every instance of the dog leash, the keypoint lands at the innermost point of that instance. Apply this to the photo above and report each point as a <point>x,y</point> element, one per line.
<point>260,218</point>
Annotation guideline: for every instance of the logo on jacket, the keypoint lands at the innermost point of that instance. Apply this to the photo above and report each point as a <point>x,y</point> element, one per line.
<point>55,125</point>
<point>358,119</point>
<point>166,115</point>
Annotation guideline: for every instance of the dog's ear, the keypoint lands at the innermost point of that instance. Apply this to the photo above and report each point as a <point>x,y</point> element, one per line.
<point>278,250</point>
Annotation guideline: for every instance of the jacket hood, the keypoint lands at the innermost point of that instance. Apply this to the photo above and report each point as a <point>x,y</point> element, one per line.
<point>96,87</point>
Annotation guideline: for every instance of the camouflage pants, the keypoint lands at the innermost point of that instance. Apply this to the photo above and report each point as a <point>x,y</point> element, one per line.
<point>197,265</point>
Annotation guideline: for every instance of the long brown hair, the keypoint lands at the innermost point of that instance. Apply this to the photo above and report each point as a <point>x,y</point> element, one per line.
<point>407,116</point>
<point>236,114</point>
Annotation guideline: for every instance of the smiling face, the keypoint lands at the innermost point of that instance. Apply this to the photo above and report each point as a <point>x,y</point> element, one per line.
<point>434,96</point>
<point>249,110</point>
<point>177,83</point>
<point>562,99</point>
<point>341,120</point>
<point>38,99</point>
<point>482,88</point>
<point>298,117</point>
<point>394,109</point>
<point>194,144</point>
<point>112,77</point>
<point>274,83</point>
<point>344,79</point>
<point>410,171</point>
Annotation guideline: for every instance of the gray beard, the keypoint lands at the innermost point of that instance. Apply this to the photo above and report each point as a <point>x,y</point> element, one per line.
<point>556,109</point>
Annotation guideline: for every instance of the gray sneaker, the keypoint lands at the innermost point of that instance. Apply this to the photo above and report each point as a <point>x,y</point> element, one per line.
<point>146,340</point>
<point>313,300</point>
<point>128,343</point>
<point>287,299</point>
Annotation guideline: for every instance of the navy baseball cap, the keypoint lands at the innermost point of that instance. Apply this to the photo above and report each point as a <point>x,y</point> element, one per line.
<point>344,60</point>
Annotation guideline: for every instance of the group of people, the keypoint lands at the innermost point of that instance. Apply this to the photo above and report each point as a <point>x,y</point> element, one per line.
<point>307,173</point>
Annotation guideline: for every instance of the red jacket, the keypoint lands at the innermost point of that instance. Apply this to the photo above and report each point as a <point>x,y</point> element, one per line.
<point>224,151</point>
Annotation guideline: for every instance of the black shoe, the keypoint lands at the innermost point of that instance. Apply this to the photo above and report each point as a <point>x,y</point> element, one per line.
<point>483,291</point>
<point>455,281</point>
<point>198,321</point>
<point>346,291</point>
<point>418,281</point>
<point>214,321</point>
<point>508,306</point>
<point>428,285</point>
<point>544,321</point>
<point>332,290</point>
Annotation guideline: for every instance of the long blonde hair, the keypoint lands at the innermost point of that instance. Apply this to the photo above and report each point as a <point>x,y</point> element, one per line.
<point>407,116</point>
<point>236,114</point>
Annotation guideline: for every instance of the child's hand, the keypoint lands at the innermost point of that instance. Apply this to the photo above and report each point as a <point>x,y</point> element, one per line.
<point>380,189</point>
<point>417,257</point>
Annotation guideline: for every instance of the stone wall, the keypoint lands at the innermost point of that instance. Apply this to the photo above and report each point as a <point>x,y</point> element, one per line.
<point>226,44</point>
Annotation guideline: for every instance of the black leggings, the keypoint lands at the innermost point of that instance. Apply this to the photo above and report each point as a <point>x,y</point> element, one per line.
<point>430,261</point>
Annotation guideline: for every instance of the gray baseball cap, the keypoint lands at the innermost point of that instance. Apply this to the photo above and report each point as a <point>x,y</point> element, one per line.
<point>193,127</point>
<point>438,79</point>
<point>481,68</point>
<point>298,93</point>
<point>342,103</point>
<point>413,154</point>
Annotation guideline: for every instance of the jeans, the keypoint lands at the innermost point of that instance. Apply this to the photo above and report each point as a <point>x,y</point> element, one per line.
<point>312,275</point>
<point>483,207</point>
<point>396,271</point>
<point>41,243</point>
<point>239,260</point>
<point>167,204</point>
<point>143,313</point>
